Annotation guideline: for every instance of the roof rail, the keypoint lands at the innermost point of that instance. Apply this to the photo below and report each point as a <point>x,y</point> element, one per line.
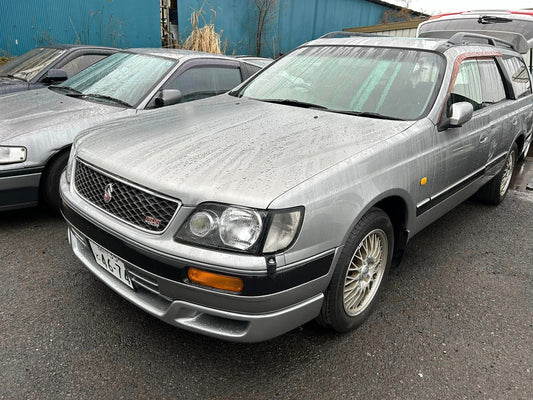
<point>345,34</point>
<point>459,37</point>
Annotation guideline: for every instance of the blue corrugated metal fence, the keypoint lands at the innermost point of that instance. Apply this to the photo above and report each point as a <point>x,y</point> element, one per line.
<point>123,23</point>
<point>296,22</point>
<point>136,23</point>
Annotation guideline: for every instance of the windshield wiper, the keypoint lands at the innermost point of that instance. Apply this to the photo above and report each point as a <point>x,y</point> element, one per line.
<point>71,90</point>
<point>366,114</point>
<point>296,103</point>
<point>486,19</point>
<point>109,98</point>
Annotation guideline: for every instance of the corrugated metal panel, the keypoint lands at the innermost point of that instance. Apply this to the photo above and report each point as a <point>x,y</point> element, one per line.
<point>124,23</point>
<point>297,22</point>
<point>304,20</point>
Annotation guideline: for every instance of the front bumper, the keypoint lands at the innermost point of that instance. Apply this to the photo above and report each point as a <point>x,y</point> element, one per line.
<point>19,188</point>
<point>268,307</point>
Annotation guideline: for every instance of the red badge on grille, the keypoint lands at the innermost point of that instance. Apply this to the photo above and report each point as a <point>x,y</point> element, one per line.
<point>108,193</point>
<point>152,221</point>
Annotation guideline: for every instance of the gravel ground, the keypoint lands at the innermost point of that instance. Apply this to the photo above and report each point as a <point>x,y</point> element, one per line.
<point>455,322</point>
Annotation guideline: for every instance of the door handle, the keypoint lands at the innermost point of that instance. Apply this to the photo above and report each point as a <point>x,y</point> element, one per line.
<point>483,139</point>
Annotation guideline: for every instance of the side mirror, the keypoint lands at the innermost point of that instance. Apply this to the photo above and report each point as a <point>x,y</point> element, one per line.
<point>461,113</point>
<point>167,97</point>
<point>55,75</point>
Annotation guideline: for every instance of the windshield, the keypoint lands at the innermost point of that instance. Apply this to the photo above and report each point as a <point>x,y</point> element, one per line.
<point>385,82</point>
<point>124,77</point>
<point>27,66</point>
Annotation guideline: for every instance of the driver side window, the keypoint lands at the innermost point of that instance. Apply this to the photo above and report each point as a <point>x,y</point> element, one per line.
<point>205,81</point>
<point>467,86</point>
<point>80,63</point>
<point>479,83</point>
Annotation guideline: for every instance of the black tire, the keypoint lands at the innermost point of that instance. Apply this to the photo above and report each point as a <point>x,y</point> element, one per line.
<point>495,190</point>
<point>49,185</point>
<point>341,312</point>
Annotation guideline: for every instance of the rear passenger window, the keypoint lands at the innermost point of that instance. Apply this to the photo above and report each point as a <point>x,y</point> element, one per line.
<point>518,75</point>
<point>491,82</point>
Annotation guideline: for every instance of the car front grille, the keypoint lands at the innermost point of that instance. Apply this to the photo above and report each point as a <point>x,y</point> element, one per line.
<point>131,204</point>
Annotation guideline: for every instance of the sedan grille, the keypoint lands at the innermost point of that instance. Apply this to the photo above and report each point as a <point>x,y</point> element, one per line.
<point>133,205</point>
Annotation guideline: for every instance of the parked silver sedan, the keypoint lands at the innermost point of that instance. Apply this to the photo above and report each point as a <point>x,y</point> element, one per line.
<point>38,127</point>
<point>246,215</point>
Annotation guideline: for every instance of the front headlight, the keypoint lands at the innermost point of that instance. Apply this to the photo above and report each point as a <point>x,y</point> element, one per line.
<point>283,229</point>
<point>12,155</point>
<point>70,163</point>
<point>241,229</point>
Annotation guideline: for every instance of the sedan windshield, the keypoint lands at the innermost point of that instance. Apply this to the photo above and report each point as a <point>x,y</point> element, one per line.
<point>27,66</point>
<point>373,82</point>
<point>122,78</point>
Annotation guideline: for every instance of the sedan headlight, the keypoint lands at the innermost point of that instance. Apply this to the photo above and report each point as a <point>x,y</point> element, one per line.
<point>12,155</point>
<point>70,163</point>
<point>241,229</point>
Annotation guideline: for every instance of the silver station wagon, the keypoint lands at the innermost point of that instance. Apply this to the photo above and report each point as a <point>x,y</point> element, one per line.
<point>246,215</point>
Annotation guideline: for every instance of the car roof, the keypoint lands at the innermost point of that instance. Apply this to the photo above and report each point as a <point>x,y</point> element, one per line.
<point>154,51</point>
<point>76,46</point>
<point>177,53</point>
<point>350,39</point>
<point>432,44</point>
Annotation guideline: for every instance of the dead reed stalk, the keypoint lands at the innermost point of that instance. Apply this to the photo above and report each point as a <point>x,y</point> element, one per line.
<point>204,39</point>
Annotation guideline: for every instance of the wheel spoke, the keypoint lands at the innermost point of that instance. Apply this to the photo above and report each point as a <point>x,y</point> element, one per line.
<point>350,279</point>
<point>352,297</point>
<point>361,297</point>
<point>354,267</point>
<point>356,298</point>
<point>351,286</point>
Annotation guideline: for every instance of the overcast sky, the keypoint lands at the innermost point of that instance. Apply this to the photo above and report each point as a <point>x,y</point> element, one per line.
<point>438,6</point>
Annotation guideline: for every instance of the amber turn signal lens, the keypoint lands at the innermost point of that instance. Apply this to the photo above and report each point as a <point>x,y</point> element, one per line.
<point>216,281</point>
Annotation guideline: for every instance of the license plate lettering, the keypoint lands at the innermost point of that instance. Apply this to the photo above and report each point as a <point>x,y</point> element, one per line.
<point>111,263</point>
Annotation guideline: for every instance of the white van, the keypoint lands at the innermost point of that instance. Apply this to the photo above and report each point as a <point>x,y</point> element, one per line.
<point>515,27</point>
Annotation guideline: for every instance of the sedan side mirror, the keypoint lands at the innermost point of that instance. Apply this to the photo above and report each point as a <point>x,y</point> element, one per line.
<point>167,97</point>
<point>55,75</point>
<point>461,113</point>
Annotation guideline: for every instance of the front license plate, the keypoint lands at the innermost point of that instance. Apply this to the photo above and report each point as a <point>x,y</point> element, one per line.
<point>111,263</point>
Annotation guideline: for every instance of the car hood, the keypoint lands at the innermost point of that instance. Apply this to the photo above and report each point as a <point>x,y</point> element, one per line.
<point>35,110</point>
<point>230,150</point>
<point>8,85</point>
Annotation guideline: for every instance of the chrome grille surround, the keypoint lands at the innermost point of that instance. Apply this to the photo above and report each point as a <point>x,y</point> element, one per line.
<point>134,205</point>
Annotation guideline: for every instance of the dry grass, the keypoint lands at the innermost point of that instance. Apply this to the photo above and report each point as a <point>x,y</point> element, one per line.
<point>3,60</point>
<point>205,38</point>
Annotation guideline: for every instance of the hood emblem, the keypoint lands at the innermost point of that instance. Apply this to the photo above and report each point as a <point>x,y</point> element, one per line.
<point>108,193</point>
